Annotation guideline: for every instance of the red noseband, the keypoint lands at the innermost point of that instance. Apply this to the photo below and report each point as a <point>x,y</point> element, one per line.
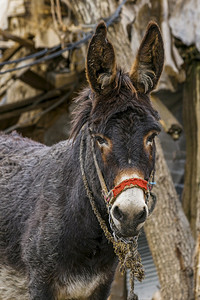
<point>126,184</point>
<point>129,183</point>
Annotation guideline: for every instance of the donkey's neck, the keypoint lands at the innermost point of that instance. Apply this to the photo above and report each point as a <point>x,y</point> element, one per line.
<point>84,156</point>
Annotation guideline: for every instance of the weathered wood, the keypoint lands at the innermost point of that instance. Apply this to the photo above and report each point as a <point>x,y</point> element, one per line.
<point>169,237</point>
<point>197,268</point>
<point>170,124</point>
<point>7,79</point>
<point>197,253</point>
<point>8,53</point>
<point>191,114</point>
<point>22,41</point>
<point>184,22</point>
<point>59,80</point>
<point>15,109</point>
<point>36,81</point>
<point>173,60</point>
<point>28,120</point>
<point>191,195</point>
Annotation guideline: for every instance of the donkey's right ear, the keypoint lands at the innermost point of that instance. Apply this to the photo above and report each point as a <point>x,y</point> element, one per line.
<point>101,64</point>
<point>147,68</point>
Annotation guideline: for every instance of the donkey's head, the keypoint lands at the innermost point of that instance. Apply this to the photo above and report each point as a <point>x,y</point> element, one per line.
<point>122,122</point>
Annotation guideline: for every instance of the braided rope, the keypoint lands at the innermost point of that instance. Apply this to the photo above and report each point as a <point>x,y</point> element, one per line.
<point>128,255</point>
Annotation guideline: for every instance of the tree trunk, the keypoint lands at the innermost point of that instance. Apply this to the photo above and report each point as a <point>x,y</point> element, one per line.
<point>191,196</point>
<point>191,114</point>
<point>169,237</point>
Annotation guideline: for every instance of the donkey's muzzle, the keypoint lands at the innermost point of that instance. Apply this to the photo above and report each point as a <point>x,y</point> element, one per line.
<point>123,216</point>
<point>129,211</point>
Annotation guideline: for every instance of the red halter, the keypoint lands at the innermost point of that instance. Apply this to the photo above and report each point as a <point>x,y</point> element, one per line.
<point>127,184</point>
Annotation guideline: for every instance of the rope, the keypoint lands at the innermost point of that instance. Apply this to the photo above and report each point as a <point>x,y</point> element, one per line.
<point>51,56</point>
<point>101,179</point>
<point>39,53</point>
<point>128,255</point>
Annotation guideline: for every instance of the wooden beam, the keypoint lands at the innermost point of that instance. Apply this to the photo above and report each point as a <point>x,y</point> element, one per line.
<point>47,107</point>
<point>35,80</point>
<point>22,41</point>
<point>15,109</point>
<point>8,53</point>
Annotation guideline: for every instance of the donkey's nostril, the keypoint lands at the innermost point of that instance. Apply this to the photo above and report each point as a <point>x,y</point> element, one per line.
<point>141,217</point>
<point>117,213</point>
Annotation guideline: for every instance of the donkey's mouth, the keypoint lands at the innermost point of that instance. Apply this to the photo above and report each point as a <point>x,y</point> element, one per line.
<point>126,232</point>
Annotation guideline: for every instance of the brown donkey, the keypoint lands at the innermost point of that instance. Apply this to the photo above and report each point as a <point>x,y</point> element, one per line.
<point>61,206</point>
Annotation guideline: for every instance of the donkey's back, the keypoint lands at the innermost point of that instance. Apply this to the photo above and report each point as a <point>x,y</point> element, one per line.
<point>24,167</point>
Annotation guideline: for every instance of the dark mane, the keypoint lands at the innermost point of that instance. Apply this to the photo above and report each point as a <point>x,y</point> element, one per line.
<point>97,109</point>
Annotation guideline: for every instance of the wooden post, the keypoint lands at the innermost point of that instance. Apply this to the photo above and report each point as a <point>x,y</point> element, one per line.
<point>191,114</point>
<point>191,196</point>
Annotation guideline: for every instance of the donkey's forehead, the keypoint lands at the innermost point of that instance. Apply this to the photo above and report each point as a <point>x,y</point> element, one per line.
<point>129,120</point>
<point>120,101</point>
<point>130,123</point>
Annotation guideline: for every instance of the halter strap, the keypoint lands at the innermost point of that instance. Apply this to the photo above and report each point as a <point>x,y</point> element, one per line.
<point>99,173</point>
<point>129,183</point>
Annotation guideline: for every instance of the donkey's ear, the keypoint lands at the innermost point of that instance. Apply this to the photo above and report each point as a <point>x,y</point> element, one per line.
<point>100,64</point>
<point>147,67</point>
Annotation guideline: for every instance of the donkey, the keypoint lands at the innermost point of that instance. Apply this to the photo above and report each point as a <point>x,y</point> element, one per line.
<point>48,230</point>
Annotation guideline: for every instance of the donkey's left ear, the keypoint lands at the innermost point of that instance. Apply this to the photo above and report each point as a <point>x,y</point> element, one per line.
<point>101,64</point>
<point>148,65</point>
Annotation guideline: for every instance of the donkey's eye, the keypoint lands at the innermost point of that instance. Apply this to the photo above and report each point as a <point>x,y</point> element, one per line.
<point>150,139</point>
<point>100,140</point>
